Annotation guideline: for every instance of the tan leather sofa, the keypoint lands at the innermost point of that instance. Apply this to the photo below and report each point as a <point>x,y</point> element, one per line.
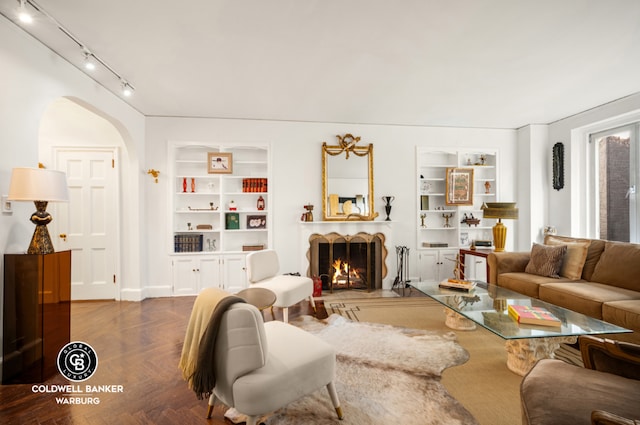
<point>598,278</point>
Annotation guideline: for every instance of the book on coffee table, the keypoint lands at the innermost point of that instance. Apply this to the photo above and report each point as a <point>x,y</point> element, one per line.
<point>533,315</point>
<point>457,284</point>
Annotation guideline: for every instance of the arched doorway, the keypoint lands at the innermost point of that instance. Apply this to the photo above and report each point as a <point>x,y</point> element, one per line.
<point>86,146</point>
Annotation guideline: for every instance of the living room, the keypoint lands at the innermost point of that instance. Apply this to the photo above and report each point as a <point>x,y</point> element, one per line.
<point>48,102</point>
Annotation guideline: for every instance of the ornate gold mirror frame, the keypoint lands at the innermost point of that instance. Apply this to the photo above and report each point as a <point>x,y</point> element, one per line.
<point>347,180</point>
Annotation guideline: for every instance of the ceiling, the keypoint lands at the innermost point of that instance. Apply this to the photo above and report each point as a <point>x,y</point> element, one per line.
<point>462,63</point>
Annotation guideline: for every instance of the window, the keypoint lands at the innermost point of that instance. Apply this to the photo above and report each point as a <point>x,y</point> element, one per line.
<point>615,175</point>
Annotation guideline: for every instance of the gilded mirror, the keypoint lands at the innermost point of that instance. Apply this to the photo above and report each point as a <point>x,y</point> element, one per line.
<point>347,180</point>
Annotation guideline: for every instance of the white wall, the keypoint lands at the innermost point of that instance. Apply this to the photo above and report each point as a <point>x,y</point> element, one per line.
<point>568,207</point>
<point>296,154</point>
<point>31,79</point>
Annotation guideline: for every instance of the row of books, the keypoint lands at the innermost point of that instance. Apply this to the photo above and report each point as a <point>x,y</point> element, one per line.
<point>254,185</point>
<point>187,242</point>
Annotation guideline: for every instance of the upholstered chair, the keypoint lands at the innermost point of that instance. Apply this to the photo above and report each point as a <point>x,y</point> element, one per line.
<point>261,367</point>
<point>262,272</point>
<point>604,392</point>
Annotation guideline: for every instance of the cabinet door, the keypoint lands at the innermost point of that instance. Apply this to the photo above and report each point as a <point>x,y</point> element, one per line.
<point>234,273</point>
<point>209,274</point>
<point>447,263</point>
<point>428,265</point>
<point>185,276</point>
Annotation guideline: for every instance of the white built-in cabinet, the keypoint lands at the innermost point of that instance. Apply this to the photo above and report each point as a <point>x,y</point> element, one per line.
<point>440,232</point>
<point>217,218</point>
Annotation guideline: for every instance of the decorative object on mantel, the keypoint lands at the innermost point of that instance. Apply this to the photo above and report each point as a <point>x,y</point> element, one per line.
<point>487,187</point>
<point>260,203</point>
<point>347,162</point>
<point>232,206</point>
<point>308,215</point>
<point>387,205</point>
<point>558,166</point>
<point>500,210</point>
<point>422,217</point>
<point>154,174</point>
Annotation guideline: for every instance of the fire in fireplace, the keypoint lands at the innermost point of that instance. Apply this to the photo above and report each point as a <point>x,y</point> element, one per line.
<point>348,262</point>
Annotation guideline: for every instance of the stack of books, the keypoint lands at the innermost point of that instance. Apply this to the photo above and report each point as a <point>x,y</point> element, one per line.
<point>533,315</point>
<point>458,284</point>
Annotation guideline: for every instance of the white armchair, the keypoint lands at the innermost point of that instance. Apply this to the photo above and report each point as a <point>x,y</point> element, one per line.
<point>261,367</point>
<point>262,272</point>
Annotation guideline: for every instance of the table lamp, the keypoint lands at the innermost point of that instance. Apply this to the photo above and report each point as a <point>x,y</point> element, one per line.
<point>40,186</point>
<point>500,210</point>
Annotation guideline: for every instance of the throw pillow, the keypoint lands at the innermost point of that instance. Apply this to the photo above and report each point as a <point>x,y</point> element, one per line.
<point>574,259</point>
<point>546,260</point>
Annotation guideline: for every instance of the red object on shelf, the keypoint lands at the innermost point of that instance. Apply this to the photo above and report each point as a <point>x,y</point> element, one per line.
<point>184,185</point>
<point>193,185</point>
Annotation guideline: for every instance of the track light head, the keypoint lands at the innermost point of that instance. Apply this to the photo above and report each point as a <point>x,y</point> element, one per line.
<point>23,14</point>
<point>127,90</point>
<point>89,62</point>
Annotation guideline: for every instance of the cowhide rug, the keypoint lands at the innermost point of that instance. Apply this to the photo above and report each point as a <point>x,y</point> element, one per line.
<point>385,375</point>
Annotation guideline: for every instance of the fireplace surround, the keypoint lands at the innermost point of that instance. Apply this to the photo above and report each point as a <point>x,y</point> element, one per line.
<point>348,261</point>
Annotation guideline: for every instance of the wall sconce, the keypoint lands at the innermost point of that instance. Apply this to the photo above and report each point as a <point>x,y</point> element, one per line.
<point>154,173</point>
<point>40,186</point>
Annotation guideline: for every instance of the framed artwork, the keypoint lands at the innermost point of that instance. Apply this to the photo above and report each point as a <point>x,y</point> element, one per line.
<point>424,202</point>
<point>256,222</point>
<point>459,190</point>
<point>219,163</point>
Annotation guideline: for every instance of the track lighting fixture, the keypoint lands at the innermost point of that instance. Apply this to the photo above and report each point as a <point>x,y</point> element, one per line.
<point>23,14</point>
<point>90,61</point>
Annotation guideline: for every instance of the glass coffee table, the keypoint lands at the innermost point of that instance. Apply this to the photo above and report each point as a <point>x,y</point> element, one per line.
<point>486,306</point>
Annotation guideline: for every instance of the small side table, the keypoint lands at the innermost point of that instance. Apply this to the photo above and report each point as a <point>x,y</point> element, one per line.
<point>484,253</point>
<point>261,298</point>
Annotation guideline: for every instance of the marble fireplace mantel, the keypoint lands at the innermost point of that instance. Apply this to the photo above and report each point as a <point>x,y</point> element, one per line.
<point>348,228</point>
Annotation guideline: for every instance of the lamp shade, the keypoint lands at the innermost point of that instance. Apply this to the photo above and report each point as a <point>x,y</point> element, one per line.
<point>502,210</point>
<point>38,184</point>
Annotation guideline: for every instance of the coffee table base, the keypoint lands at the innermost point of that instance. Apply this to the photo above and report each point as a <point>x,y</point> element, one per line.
<point>457,321</point>
<point>522,354</point>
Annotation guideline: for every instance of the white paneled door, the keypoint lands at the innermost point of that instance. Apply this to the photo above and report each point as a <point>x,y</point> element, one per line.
<point>87,224</point>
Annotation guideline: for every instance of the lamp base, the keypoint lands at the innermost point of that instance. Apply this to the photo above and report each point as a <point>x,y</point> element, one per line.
<point>499,236</point>
<point>41,241</point>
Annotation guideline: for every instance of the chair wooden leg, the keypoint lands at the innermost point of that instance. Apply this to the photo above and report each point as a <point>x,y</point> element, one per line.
<point>285,314</point>
<point>212,402</point>
<point>313,303</point>
<point>334,399</point>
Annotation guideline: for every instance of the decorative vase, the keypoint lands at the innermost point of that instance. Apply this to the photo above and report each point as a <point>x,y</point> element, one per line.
<point>387,205</point>
<point>193,185</point>
<point>184,185</point>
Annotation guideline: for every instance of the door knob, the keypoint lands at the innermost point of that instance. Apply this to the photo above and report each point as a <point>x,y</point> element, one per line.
<point>63,236</point>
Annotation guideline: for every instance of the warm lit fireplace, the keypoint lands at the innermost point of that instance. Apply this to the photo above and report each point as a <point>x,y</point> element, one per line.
<point>348,261</point>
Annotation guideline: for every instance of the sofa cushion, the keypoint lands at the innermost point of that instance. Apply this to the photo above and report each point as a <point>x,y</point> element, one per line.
<point>623,313</point>
<point>546,260</point>
<point>619,265</point>
<point>574,259</point>
<point>524,283</point>
<point>583,297</point>
<point>596,246</point>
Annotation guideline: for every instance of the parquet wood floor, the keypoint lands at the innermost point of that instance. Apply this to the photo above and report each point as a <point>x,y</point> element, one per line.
<point>138,346</point>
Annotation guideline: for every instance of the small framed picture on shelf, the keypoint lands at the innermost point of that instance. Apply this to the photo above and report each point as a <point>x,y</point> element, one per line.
<point>424,202</point>
<point>464,239</point>
<point>219,162</point>
<point>459,186</point>
<point>256,222</point>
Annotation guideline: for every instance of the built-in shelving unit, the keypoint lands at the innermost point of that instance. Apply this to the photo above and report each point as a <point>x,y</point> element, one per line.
<point>440,227</point>
<point>217,214</point>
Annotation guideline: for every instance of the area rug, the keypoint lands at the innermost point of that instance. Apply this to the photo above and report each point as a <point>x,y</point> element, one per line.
<point>384,375</point>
